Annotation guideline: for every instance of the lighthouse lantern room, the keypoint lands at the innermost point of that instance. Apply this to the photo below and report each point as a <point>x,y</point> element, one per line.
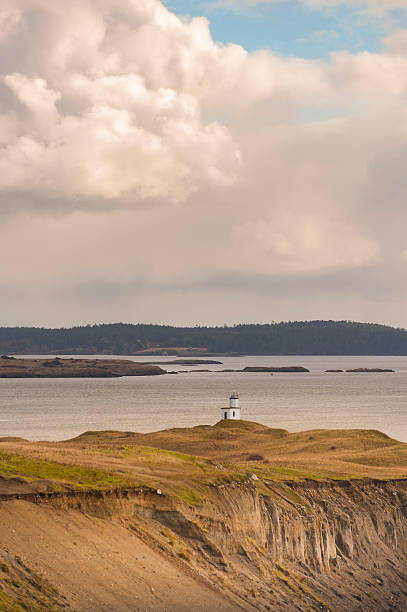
<point>233,412</point>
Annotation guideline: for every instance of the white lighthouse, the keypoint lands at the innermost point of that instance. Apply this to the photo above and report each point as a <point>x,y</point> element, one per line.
<point>233,412</point>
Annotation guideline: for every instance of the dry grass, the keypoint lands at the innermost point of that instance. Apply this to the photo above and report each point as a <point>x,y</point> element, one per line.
<point>183,463</point>
<point>314,454</point>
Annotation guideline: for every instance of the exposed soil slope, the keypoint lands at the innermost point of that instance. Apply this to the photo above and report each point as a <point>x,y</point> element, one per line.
<point>333,547</point>
<point>58,556</point>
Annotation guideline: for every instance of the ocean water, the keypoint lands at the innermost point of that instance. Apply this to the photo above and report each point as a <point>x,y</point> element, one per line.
<point>57,409</point>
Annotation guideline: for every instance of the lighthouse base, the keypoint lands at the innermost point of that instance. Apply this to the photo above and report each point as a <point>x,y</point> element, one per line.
<point>231,413</point>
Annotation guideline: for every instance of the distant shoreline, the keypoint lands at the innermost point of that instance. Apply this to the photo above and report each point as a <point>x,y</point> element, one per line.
<point>56,367</point>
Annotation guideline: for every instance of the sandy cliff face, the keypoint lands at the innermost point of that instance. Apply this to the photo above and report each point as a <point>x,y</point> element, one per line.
<point>251,546</point>
<point>340,546</point>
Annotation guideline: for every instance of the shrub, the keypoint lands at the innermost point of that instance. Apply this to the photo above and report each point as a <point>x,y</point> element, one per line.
<point>255,458</point>
<point>52,364</point>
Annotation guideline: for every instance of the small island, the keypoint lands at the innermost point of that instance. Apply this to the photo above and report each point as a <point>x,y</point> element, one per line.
<point>74,368</point>
<point>284,369</point>
<point>369,370</point>
<point>189,362</point>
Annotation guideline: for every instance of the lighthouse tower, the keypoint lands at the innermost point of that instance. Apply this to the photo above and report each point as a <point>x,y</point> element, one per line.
<point>233,412</point>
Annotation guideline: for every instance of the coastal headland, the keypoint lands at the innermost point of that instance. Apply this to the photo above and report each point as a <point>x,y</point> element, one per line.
<point>236,516</point>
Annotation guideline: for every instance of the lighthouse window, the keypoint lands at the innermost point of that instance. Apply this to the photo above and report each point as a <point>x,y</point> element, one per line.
<point>233,413</point>
<point>226,415</point>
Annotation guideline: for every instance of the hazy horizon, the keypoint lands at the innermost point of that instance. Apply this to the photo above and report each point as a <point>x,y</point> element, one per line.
<point>191,326</point>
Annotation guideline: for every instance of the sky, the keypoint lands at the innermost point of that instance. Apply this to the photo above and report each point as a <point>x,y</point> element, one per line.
<point>208,162</point>
<point>291,27</point>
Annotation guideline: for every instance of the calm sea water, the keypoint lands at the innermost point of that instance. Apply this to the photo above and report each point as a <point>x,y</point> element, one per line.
<point>47,409</point>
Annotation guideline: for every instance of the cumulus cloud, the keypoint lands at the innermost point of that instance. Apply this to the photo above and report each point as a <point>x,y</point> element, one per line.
<point>141,161</point>
<point>97,117</point>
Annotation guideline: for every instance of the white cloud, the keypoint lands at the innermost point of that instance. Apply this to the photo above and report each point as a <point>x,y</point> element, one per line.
<point>135,150</point>
<point>375,7</point>
<point>96,119</point>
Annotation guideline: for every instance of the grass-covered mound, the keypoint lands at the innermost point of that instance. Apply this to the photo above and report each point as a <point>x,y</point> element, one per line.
<point>185,463</point>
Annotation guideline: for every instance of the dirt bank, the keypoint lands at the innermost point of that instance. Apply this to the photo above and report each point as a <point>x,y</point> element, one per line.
<point>251,546</point>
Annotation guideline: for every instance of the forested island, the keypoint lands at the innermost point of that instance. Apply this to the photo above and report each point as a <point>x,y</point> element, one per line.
<point>290,338</point>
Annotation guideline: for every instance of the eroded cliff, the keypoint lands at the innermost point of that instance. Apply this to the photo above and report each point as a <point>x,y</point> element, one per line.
<point>252,545</point>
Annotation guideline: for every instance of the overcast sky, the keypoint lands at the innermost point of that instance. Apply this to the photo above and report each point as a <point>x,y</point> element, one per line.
<point>203,162</point>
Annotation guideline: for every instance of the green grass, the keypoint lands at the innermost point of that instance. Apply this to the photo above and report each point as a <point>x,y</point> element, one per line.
<point>187,493</point>
<point>7,604</point>
<point>281,472</point>
<point>38,469</point>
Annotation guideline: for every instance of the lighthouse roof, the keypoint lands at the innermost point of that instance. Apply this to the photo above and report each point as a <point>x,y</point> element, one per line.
<point>234,396</point>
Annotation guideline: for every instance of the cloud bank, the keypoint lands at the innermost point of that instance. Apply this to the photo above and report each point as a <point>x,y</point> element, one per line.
<point>148,173</point>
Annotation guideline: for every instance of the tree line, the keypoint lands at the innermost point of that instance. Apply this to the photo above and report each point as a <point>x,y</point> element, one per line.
<point>288,338</point>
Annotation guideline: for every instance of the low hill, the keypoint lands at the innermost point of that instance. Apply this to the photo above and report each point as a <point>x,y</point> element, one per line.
<point>232,517</point>
<point>273,453</point>
<point>291,338</point>
<point>184,461</point>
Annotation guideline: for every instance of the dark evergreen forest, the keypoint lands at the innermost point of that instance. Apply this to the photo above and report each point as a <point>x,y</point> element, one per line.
<point>291,338</point>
